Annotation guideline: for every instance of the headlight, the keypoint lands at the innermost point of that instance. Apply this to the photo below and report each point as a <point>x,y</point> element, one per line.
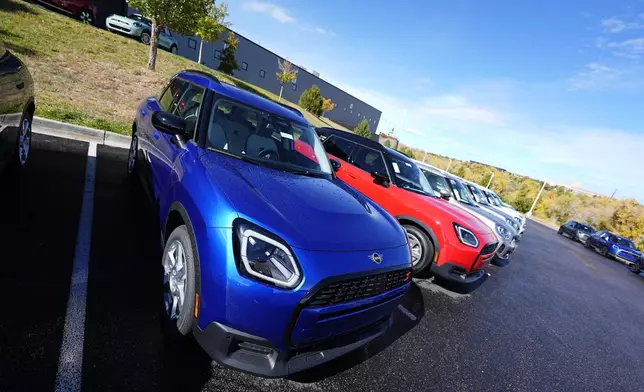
<point>265,257</point>
<point>466,236</point>
<point>137,24</point>
<point>512,223</point>
<point>503,232</point>
<point>518,219</point>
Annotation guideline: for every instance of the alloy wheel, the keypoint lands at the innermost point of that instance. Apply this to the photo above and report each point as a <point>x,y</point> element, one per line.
<point>416,248</point>
<point>174,50</point>
<point>175,278</point>
<point>86,17</point>
<point>131,157</point>
<point>145,38</point>
<point>635,267</point>
<point>24,141</point>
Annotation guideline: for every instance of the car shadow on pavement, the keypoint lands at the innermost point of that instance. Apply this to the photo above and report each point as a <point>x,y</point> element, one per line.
<point>460,288</point>
<point>408,314</point>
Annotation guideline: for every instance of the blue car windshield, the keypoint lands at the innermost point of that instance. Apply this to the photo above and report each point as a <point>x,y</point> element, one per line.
<point>266,139</point>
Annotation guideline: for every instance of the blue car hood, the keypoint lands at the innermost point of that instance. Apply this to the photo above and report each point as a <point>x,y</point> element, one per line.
<point>307,212</point>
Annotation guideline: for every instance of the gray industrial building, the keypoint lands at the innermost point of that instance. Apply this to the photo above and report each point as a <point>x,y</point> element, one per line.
<point>259,65</point>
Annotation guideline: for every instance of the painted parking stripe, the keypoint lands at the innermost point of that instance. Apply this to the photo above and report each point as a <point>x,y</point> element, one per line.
<point>70,363</point>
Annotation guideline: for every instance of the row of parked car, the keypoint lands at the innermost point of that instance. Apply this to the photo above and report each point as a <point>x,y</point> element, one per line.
<point>286,246</point>
<point>606,243</point>
<point>135,25</point>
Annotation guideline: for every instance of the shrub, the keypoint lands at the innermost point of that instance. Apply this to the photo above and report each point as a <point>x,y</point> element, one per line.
<point>311,100</point>
<point>363,129</point>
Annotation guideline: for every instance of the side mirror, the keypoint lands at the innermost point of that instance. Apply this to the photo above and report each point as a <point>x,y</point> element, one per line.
<point>169,123</point>
<point>445,194</point>
<point>335,164</point>
<point>381,179</point>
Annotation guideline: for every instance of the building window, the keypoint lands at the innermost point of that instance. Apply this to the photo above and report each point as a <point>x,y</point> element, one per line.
<point>218,54</point>
<point>358,114</point>
<point>244,66</point>
<point>262,73</point>
<point>294,87</point>
<point>351,106</point>
<point>192,43</point>
<point>345,109</point>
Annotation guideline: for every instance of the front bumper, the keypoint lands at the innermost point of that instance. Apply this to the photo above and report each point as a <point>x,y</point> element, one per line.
<point>129,30</point>
<point>257,355</point>
<point>506,249</point>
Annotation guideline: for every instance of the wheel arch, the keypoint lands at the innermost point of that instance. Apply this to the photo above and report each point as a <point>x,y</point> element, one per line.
<point>405,219</point>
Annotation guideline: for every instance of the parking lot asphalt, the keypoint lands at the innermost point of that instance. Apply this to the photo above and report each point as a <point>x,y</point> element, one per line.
<point>558,317</point>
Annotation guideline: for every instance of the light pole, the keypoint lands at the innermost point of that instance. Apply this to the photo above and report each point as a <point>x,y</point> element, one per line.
<point>489,182</point>
<point>537,199</point>
<point>449,164</point>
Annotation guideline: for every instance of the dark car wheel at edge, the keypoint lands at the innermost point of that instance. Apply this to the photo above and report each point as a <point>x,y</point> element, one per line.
<point>635,267</point>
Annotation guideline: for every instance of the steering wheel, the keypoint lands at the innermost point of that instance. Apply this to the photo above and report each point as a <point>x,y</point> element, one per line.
<point>269,155</point>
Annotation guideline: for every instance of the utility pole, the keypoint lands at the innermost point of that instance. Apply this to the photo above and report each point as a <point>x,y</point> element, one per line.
<point>489,182</point>
<point>537,199</point>
<point>613,195</point>
<point>425,157</point>
<point>449,164</point>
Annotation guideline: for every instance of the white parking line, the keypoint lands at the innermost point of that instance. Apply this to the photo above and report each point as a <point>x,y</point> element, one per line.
<point>70,363</point>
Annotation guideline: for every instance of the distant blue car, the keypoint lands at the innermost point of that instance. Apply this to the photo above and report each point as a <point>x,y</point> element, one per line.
<point>271,262</point>
<point>614,246</point>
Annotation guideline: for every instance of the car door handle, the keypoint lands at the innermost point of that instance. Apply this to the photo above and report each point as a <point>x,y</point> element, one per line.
<point>155,134</point>
<point>20,85</point>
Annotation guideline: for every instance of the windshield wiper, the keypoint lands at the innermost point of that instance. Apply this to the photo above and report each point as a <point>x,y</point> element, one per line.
<point>416,190</point>
<point>303,172</point>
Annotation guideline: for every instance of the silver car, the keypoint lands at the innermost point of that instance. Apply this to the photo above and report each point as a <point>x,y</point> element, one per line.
<point>136,26</point>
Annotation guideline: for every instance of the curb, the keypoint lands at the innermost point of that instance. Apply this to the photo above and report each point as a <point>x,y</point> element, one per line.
<point>77,132</point>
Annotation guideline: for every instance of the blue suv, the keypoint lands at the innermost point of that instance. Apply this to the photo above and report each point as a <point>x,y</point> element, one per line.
<point>614,246</point>
<point>273,263</point>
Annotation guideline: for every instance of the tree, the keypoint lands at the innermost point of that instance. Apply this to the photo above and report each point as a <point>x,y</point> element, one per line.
<point>363,129</point>
<point>211,25</point>
<point>228,63</point>
<point>178,15</point>
<point>327,105</point>
<point>286,75</point>
<point>388,143</point>
<point>311,100</point>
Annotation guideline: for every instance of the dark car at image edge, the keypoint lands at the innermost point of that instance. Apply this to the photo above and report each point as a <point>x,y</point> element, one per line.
<point>17,106</point>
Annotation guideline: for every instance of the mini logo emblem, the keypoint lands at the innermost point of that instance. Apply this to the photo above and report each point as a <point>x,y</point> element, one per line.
<point>376,258</point>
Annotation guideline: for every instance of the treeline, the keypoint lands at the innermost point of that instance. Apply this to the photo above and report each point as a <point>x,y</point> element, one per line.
<point>557,204</point>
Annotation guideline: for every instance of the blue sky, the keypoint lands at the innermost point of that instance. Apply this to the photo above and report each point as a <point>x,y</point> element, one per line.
<point>549,89</point>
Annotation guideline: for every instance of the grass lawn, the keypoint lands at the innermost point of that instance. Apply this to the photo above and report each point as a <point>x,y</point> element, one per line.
<point>87,76</point>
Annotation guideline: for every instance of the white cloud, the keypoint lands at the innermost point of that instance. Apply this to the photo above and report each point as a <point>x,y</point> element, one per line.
<point>594,76</point>
<point>456,107</point>
<point>415,132</point>
<point>276,12</point>
<point>319,30</point>
<point>631,48</point>
<point>617,25</point>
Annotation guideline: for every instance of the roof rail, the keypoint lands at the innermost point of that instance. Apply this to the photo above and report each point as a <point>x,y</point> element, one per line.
<point>203,73</point>
<point>291,108</point>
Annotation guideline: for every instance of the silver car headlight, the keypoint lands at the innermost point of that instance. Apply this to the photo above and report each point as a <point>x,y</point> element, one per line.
<point>503,232</point>
<point>512,223</point>
<point>137,24</point>
<point>265,257</point>
<point>466,236</point>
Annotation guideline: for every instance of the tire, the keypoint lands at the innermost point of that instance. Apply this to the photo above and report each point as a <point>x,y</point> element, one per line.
<point>178,324</point>
<point>132,164</point>
<point>86,17</point>
<point>560,232</point>
<point>23,142</point>
<point>174,49</point>
<point>145,37</point>
<point>604,251</point>
<point>587,243</point>
<point>636,267</point>
<point>417,237</point>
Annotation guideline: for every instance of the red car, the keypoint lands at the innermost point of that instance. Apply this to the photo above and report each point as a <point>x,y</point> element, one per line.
<point>450,242</point>
<point>83,10</point>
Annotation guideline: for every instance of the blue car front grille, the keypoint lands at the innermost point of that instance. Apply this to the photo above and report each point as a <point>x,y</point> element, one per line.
<point>359,288</point>
<point>626,255</point>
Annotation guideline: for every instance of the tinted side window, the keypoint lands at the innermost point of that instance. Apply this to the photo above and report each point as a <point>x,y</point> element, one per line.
<point>369,160</point>
<point>170,97</point>
<point>339,147</point>
<point>188,107</point>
